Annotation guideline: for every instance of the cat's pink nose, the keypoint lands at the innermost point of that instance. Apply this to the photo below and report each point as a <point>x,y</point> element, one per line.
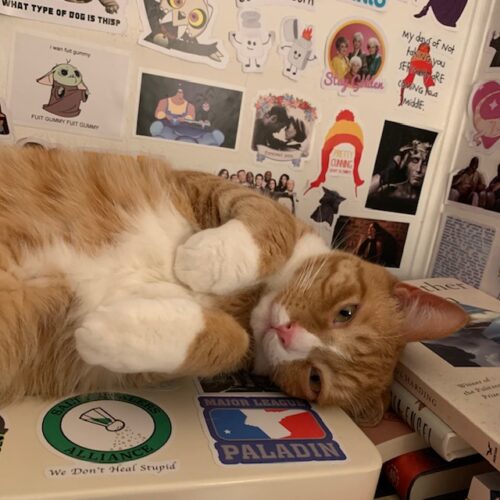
<point>286,332</point>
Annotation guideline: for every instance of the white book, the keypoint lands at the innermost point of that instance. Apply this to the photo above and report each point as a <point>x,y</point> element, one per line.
<point>182,443</point>
<point>446,442</point>
<point>458,378</point>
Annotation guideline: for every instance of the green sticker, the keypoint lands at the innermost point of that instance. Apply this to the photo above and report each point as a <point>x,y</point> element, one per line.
<point>106,427</point>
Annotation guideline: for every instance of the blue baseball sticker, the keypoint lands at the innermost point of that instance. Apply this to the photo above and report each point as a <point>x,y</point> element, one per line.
<point>267,430</point>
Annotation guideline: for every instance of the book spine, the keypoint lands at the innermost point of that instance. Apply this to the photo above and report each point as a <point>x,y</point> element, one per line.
<point>431,428</point>
<point>477,439</point>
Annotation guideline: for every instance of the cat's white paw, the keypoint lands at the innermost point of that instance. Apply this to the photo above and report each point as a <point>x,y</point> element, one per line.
<point>220,260</point>
<point>140,335</point>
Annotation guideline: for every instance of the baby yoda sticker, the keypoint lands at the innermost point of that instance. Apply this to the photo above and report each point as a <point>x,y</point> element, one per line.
<point>78,89</point>
<point>484,111</point>
<point>283,128</point>
<point>252,41</point>
<point>297,47</point>
<point>181,28</point>
<point>101,15</point>
<point>67,90</point>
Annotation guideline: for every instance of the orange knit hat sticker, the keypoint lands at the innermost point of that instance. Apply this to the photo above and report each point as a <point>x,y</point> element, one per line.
<point>342,151</point>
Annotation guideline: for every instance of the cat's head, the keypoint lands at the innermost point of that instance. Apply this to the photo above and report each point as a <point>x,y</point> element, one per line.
<point>333,330</point>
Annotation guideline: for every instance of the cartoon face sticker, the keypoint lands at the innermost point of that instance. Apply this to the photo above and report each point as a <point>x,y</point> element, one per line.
<point>68,90</point>
<point>190,17</point>
<point>298,47</point>
<point>252,42</point>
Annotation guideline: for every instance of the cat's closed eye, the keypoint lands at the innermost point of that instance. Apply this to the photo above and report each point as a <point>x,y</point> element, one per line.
<point>345,314</point>
<point>315,380</point>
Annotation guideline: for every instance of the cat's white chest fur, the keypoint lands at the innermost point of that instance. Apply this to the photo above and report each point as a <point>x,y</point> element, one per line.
<point>139,263</point>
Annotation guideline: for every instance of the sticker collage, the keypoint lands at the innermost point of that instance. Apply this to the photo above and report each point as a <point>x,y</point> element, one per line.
<point>339,116</point>
<point>320,146</point>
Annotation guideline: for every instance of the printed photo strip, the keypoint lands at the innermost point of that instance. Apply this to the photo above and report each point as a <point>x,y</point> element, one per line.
<point>400,168</point>
<point>281,189</point>
<point>378,241</point>
<point>174,109</point>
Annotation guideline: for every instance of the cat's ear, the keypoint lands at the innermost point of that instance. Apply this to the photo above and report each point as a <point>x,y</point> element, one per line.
<point>427,316</point>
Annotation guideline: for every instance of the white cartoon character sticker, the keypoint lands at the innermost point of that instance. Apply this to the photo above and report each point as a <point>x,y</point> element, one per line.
<point>296,47</point>
<point>252,42</point>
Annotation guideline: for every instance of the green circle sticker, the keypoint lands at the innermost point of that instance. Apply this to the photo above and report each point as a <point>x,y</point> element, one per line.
<point>106,427</point>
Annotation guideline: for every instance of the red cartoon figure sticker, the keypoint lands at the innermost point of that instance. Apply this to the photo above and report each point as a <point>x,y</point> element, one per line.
<point>484,109</point>
<point>342,150</point>
<point>420,65</point>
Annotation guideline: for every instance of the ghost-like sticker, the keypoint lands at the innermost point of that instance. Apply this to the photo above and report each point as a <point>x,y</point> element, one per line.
<point>297,47</point>
<point>252,41</point>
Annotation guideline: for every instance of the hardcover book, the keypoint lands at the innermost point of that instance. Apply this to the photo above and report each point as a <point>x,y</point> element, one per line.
<point>424,474</point>
<point>458,377</point>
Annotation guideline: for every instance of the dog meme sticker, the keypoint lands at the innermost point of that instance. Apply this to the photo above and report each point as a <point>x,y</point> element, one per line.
<point>99,15</point>
<point>181,28</point>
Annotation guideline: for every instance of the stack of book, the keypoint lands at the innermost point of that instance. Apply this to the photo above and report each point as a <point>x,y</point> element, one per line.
<point>448,393</point>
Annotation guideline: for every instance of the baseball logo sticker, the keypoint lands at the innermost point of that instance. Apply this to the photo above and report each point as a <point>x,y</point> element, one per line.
<point>106,428</point>
<point>258,430</point>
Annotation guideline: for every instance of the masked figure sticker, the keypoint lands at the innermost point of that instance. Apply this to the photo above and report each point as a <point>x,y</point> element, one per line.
<point>181,28</point>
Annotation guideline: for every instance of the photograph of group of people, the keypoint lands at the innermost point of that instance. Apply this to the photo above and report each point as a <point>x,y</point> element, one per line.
<point>282,190</point>
<point>356,53</point>
<point>469,186</point>
<point>400,168</point>
<point>377,241</point>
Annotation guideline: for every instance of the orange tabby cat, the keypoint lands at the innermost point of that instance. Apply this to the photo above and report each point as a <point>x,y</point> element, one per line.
<point>118,272</point>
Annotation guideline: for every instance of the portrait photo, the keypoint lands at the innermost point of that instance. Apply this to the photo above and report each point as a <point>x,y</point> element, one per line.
<point>400,168</point>
<point>378,241</point>
<point>175,109</point>
<point>355,55</point>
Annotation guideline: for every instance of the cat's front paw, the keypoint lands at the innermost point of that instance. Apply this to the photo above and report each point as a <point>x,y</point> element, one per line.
<point>220,260</point>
